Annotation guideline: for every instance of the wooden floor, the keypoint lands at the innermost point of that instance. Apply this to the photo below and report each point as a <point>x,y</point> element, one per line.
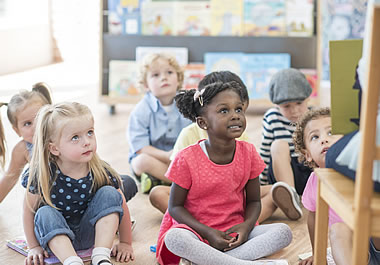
<point>112,147</point>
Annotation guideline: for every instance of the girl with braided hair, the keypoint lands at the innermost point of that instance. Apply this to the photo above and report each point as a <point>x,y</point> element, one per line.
<point>215,194</point>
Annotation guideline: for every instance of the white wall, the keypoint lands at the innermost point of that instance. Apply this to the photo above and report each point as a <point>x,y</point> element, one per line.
<point>25,38</point>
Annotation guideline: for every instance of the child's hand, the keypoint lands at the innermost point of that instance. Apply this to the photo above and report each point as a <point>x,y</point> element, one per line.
<point>308,261</point>
<point>218,239</point>
<point>242,231</point>
<point>123,252</point>
<point>36,256</point>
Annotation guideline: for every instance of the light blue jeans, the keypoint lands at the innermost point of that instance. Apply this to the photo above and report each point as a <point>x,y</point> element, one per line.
<point>49,222</point>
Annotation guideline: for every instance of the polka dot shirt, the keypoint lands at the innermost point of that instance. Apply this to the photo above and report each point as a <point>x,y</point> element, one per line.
<point>70,196</point>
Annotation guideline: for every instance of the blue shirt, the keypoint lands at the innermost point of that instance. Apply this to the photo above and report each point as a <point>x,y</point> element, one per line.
<point>150,124</point>
<point>70,196</point>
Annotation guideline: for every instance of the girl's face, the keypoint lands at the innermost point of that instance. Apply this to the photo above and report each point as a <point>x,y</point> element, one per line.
<point>25,121</point>
<point>293,110</point>
<point>77,143</point>
<point>162,81</point>
<point>318,139</point>
<point>224,116</point>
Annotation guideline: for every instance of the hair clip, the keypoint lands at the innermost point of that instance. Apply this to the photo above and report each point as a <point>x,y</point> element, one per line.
<point>198,95</point>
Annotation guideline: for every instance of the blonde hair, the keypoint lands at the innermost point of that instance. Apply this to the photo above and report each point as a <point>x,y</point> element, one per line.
<point>49,124</point>
<point>40,92</point>
<point>151,58</point>
<point>298,135</point>
<point>2,141</point>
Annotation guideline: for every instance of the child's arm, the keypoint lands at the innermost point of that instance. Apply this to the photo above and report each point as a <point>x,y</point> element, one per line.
<point>252,212</point>
<point>16,165</point>
<point>36,252</point>
<point>217,239</point>
<point>123,251</point>
<point>310,227</point>
<point>163,156</point>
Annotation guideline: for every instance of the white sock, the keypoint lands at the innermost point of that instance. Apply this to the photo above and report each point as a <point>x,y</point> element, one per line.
<point>73,260</point>
<point>100,253</point>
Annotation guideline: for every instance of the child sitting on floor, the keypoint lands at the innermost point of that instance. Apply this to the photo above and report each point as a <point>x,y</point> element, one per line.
<point>215,195</point>
<point>289,90</point>
<point>159,196</point>
<point>73,199</point>
<point>155,122</point>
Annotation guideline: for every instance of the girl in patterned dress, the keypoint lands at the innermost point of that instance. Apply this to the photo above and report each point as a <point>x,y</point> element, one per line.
<point>73,199</point>
<point>215,195</point>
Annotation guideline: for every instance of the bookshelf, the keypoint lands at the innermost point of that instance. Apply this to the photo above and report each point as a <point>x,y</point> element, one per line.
<point>303,50</point>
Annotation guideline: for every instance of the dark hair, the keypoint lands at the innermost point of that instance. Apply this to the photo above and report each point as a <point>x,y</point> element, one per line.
<point>191,108</point>
<point>298,135</point>
<point>224,76</point>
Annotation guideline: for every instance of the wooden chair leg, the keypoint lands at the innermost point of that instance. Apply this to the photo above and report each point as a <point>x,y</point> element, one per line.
<point>361,238</point>
<point>321,229</point>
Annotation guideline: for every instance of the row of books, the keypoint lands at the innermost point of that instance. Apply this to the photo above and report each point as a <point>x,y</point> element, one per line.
<point>255,69</point>
<point>212,17</point>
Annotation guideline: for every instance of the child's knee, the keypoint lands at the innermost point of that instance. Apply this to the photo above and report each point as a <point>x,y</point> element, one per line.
<point>108,194</point>
<point>279,147</point>
<point>159,193</point>
<point>285,233</point>
<point>178,238</point>
<point>141,163</point>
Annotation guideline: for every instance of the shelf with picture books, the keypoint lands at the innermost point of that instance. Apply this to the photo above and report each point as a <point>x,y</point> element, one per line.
<point>236,51</point>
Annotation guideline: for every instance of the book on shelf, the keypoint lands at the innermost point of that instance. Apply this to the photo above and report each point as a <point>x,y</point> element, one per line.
<point>226,17</point>
<point>300,17</point>
<point>19,244</point>
<point>312,77</point>
<point>258,69</point>
<point>124,17</point>
<point>157,18</point>
<point>224,61</point>
<point>193,74</point>
<point>180,53</point>
<point>122,79</point>
<point>264,18</point>
<point>192,18</point>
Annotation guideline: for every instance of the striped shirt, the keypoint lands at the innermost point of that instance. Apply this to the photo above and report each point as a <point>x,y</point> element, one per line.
<point>275,127</point>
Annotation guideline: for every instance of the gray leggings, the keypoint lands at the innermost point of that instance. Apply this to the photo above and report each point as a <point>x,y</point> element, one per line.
<point>263,241</point>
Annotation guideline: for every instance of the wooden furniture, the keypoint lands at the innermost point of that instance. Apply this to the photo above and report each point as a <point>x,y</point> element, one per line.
<point>355,203</point>
<point>303,50</point>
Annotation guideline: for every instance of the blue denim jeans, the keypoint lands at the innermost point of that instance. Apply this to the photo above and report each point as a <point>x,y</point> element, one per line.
<point>49,222</point>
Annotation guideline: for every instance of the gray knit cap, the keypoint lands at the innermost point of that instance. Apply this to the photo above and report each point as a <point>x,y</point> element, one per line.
<point>289,85</point>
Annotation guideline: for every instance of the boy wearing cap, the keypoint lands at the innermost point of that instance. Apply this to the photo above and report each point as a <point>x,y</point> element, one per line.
<point>289,90</point>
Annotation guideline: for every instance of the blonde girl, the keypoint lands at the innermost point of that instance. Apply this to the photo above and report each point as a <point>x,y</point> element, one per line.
<point>73,200</point>
<point>22,109</point>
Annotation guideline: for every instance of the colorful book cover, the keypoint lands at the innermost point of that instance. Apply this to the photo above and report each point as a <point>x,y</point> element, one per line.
<point>226,17</point>
<point>124,17</point>
<point>192,18</point>
<point>264,18</point>
<point>20,245</point>
<point>300,17</point>
<point>258,70</point>
<point>344,57</point>
<point>312,77</point>
<point>180,53</point>
<point>341,20</point>
<point>122,79</point>
<point>224,61</point>
<point>193,74</point>
<point>157,18</point>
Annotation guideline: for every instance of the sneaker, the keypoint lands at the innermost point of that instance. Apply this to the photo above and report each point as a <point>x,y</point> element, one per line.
<point>148,182</point>
<point>287,199</point>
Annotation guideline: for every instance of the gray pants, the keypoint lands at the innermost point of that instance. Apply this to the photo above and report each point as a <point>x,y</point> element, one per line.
<point>263,241</point>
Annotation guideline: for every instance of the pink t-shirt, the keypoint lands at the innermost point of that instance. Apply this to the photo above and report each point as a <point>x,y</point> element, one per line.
<point>216,193</point>
<point>309,199</point>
